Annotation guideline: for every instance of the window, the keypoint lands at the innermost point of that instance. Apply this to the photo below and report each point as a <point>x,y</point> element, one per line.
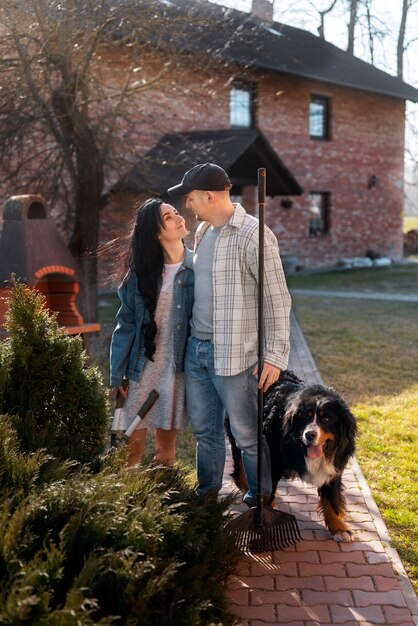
<point>241,104</point>
<point>318,213</point>
<point>319,117</point>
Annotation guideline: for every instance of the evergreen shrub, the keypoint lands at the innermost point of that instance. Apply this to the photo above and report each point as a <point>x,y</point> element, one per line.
<point>18,472</point>
<point>121,546</point>
<point>114,546</point>
<point>58,402</point>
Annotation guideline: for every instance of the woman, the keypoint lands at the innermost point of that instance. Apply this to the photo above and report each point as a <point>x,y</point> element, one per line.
<point>149,341</point>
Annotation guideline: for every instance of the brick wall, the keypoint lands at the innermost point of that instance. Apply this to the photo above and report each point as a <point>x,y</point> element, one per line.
<point>367,139</point>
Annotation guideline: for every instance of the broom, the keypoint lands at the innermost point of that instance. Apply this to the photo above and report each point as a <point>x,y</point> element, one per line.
<point>262,528</point>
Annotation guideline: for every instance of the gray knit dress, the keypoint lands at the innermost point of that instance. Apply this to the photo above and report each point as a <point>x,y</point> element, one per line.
<point>168,412</point>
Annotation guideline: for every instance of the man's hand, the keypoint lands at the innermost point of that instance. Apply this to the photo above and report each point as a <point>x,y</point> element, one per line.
<point>269,375</point>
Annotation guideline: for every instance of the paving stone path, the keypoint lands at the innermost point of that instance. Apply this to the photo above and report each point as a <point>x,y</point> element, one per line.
<point>320,581</point>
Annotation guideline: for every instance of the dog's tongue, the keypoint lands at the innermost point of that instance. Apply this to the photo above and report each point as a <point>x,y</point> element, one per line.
<point>314,452</point>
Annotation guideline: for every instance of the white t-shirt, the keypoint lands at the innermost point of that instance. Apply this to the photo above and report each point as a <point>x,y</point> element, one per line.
<point>170,270</point>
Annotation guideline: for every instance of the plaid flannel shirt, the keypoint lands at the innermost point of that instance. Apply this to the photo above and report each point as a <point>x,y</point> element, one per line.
<point>235,307</point>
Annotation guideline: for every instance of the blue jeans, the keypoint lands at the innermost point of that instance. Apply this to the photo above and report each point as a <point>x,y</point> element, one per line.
<point>208,397</point>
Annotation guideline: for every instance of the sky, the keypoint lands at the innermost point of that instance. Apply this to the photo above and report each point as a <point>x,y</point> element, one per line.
<point>302,14</point>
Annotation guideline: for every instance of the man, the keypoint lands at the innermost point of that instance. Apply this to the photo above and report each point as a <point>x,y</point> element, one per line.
<point>221,355</point>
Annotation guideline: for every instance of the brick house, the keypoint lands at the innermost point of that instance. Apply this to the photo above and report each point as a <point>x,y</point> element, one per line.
<point>245,92</point>
<point>328,127</point>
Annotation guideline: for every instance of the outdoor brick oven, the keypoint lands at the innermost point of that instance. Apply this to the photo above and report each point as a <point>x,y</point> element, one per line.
<point>32,249</point>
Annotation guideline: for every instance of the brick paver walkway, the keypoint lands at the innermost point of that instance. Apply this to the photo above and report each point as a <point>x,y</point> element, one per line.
<point>320,581</point>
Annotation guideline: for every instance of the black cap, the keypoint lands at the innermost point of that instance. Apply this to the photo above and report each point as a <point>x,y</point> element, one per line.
<point>205,176</point>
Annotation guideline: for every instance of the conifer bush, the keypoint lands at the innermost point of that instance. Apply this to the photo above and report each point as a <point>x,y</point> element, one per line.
<point>58,402</point>
<point>121,546</point>
<point>110,546</point>
<point>18,472</point>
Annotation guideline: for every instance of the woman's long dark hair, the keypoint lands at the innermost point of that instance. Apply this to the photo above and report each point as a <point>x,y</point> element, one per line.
<point>147,259</point>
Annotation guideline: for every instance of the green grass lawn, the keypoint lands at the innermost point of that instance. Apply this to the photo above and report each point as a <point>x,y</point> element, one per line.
<point>368,351</point>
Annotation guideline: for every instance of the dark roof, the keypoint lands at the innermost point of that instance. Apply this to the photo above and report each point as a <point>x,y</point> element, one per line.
<point>239,151</point>
<point>234,36</point>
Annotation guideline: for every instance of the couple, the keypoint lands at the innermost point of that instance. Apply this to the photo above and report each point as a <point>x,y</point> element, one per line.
<point>199,310</point>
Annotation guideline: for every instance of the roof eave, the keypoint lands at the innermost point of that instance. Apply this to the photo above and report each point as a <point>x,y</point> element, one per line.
<point>412,96</point>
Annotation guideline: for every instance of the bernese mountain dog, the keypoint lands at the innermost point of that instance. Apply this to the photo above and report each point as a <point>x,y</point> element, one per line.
<point>311,435</point>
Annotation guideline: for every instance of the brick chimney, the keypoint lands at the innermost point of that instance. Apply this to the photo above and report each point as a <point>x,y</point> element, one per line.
<point>262,9</point>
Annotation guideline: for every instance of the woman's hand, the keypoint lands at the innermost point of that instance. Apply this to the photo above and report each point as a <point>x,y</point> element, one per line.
<point>122,390</point>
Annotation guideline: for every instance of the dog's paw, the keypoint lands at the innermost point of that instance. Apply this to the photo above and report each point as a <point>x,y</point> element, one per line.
<point>343,535</point>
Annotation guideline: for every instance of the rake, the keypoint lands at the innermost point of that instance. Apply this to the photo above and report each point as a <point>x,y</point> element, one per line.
<point>262,528</point>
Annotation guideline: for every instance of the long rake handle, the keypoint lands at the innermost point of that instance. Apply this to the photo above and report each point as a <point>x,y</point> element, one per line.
<point>261,182</point>
<point>259,530</point>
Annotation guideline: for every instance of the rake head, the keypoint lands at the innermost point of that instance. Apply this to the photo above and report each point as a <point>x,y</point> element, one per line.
<point>275,531</point>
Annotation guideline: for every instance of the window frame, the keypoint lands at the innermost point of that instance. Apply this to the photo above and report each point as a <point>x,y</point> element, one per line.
<point>326,102</point>
<point>326,212</point>
<point>248,87</point>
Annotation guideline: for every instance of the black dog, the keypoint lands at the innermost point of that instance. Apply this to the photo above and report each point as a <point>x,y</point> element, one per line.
<point>311,434</point>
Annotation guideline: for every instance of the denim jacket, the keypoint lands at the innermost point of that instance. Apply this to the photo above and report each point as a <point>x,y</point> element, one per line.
<point>127,349</point>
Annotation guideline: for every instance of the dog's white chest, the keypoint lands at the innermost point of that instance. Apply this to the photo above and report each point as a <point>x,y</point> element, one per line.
<point>318,471</point>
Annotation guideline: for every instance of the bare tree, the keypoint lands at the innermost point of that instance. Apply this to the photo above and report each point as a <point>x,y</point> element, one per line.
<point>372,27</point>
<point>322,13</point>
<point>312,11</point>
<point>371,32</point>
<point>400,48</point>
<point>352,25</point>
<point>377,29</point>
<point>57,119</point>
<point>402,43</point>
<point>70,73</point>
